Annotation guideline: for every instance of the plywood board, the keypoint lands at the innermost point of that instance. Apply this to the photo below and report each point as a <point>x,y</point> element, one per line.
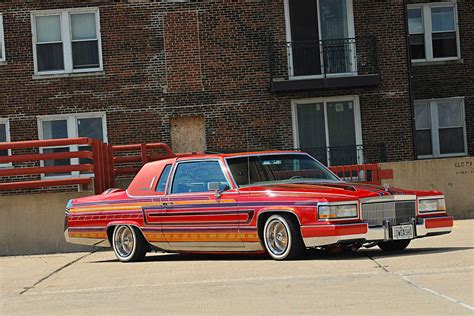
<point>188,134</point>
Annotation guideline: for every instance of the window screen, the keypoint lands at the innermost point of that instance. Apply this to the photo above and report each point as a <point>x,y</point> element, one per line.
<point>49,45</point>
<point>85,48</point>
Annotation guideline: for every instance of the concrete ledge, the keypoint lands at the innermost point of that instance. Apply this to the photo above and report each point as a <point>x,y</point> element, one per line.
<point>452,176</point>
<point>33,224</point>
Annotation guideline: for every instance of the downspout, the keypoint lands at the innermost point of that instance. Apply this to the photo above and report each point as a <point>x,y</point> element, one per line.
<point>412,105</point>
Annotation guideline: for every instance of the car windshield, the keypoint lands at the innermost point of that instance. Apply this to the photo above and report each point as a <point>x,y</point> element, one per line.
<point>277,168</point>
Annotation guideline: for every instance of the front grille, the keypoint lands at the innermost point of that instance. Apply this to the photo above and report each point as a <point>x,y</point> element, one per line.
<point>396,212</point>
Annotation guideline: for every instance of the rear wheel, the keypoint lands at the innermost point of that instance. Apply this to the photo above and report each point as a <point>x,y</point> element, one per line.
<point>394,245</point>
<point>282,238</point>
<point>128,243</point>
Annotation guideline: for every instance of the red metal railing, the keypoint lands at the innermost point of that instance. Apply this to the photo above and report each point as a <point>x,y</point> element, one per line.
<point>107,162</point>
<point>38,170</point>
<point>143,153</point>
<point>103,166</point>
<point>368,173</point>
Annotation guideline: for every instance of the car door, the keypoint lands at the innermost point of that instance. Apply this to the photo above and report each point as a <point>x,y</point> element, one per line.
<point>153,214</point>
<point>196,217</point>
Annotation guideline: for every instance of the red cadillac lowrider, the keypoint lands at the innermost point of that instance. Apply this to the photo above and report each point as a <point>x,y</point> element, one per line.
<point>279,202</point>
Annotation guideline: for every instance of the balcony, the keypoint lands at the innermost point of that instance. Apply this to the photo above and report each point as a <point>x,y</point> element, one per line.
<point>337,63</point>
<point>349,155</point>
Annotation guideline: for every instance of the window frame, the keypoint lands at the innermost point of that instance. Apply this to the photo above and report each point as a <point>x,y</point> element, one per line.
<point>427,29</point>
<point>72,131</point>
<point>351,34</point>
<point>3,57</point>
<point>6,122</point>
<point>435,146</point>
<point>66,38</point>
<point>170,182</point>
<point>357,120</point>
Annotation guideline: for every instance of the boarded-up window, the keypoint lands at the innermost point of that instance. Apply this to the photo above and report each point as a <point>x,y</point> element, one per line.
<point>188,134</point>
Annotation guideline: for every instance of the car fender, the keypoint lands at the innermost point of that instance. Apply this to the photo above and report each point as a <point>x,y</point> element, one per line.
<point>281,209</point>
<point>125,222</point>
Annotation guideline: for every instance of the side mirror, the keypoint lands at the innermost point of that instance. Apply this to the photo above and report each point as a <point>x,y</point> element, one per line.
<point>216,187</point>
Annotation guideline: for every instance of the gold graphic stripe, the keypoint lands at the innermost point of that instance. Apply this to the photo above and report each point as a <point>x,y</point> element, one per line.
<point>88,235</point>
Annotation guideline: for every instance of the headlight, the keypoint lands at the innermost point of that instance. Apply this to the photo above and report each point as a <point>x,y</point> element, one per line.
<point>337,211</point>
<point>431,205</point>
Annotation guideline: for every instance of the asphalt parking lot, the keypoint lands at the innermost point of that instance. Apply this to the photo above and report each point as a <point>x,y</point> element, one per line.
<point>433,276</point>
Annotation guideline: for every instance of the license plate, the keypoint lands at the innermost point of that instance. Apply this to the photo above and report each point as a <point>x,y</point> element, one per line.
<point>402,232</point>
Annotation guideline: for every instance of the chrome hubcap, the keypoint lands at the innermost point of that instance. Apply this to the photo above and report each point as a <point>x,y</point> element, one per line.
<point>276,237</point>
<point>123,241</point>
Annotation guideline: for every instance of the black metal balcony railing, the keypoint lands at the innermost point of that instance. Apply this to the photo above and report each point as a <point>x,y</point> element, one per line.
<point>349,155</point>
<point>325,59</point>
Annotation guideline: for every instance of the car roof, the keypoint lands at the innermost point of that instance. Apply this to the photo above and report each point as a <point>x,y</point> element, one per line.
<point>199,156</point>
<point>145,181</point>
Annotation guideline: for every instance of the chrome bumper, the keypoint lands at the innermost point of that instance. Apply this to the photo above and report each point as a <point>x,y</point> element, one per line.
<point>425,227</point>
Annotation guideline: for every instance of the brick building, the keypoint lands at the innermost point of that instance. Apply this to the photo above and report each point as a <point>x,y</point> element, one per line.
<point>442,72</point>
<point>331,76</point>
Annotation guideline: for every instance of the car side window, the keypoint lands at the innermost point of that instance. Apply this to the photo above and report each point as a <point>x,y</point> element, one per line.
<point>196,177</point>
<point>160,187</point>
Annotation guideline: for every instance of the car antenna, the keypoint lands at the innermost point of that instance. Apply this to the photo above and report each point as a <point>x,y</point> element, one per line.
<point>248,159</point>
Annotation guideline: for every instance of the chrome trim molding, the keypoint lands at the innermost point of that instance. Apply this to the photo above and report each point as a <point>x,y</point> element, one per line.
<point>433,197</point>
<point>329,240</point>
<point>277,211</point>
<point>388,198</point>
<point>253,246</point>
<point>99,242</point>
<point>209,246</point>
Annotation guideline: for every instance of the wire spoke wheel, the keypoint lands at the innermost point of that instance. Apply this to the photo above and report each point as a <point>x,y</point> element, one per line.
<point>124,241</point>
<point>277,237</point>
<point>282,237</point>
<point>128,243</point>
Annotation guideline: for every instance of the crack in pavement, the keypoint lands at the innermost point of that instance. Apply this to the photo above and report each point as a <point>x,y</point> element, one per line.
<point>420,287</point>
<point>27,288</point>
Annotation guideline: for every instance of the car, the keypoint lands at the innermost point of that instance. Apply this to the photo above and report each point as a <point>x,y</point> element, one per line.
<point>275,202</point>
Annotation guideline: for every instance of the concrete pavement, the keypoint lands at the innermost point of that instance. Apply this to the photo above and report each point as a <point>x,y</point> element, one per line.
<point>434,275</point>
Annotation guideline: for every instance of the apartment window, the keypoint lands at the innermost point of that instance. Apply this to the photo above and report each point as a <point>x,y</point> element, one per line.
<point>4,137</point>
<point>433,29</point>
<point>440,128</point>
<point>2,41</point>
<point>329,129</point>
<point>92,125</point>
<point>67,41</point>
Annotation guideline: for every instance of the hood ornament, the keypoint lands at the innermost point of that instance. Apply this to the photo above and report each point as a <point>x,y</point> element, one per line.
<point>386,186</point>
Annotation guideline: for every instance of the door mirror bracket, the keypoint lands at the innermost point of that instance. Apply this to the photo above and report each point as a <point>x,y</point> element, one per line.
<point>216,187</point>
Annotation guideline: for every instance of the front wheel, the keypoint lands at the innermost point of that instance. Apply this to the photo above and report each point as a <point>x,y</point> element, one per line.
<point>128,244</point>
<point>282,238</point>
<point>394,245</point>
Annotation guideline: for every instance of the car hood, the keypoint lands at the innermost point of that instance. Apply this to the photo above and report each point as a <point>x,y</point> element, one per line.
<point>331,191</point>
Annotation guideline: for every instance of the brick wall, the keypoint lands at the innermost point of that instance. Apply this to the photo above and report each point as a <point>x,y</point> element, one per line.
<point>204,58</point>
<point>452,78</point>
